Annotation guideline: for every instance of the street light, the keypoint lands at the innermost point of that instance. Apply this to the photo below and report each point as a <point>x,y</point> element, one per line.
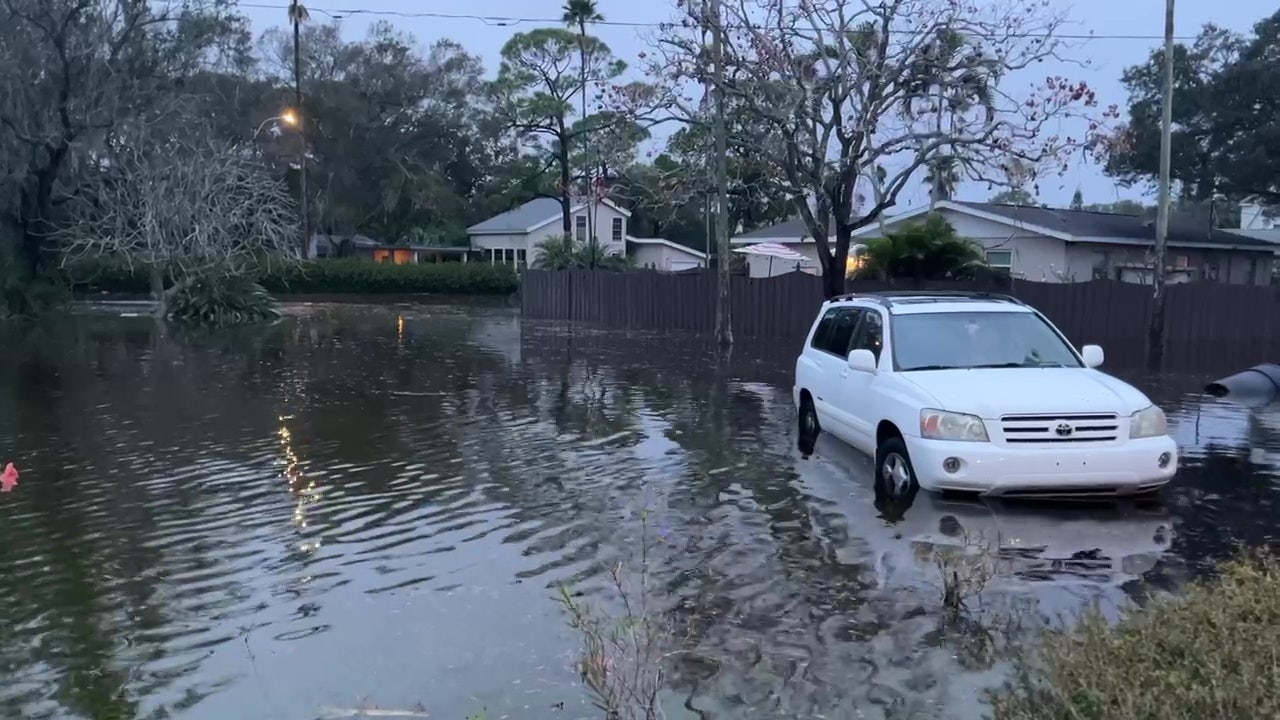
<point>288,117</point>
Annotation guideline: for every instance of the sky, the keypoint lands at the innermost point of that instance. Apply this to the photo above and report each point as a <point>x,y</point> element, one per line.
<point>1140,22</point>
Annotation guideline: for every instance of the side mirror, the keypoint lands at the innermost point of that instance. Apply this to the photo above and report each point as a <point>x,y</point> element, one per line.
<point>1092,355</point>
<point>862,360</point>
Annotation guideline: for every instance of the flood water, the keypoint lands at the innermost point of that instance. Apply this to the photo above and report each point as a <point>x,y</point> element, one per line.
<point>376,507</point>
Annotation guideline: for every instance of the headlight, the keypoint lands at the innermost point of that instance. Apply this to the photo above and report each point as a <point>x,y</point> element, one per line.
<point>943,425</point>
<point>1148,422</point>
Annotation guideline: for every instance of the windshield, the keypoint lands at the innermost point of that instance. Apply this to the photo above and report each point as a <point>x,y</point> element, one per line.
<point>939,341</point>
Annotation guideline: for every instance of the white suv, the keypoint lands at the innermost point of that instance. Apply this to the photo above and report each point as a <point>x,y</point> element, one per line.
<point>975,392</point>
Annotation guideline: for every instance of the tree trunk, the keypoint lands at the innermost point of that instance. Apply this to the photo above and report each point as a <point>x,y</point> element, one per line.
<point>1155,331</point>
<point>587,168</point>
<point>566,199</point>
<point>724,292</point>
<point>35,209</point>
<point>302,132</point>
<point>834,271</point>
<point>157,289</point>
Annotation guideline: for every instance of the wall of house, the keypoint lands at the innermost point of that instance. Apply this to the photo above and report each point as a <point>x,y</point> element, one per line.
<point>1035,257</point>
<point>603,222</point>
<point>662,257</point>
<point>758,266</point>
<point>1237,267</point>
<point>507,247</point>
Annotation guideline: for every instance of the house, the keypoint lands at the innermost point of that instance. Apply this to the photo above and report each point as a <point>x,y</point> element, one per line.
<point>664,255</point>
<point>1053,245</point>
<point>516,235</point>
<point>363,246</point>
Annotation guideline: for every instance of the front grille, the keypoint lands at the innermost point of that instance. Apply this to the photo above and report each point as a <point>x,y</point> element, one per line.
<point>1068,428</point>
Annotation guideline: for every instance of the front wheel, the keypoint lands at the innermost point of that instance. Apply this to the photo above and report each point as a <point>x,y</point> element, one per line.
<point>895,477</point>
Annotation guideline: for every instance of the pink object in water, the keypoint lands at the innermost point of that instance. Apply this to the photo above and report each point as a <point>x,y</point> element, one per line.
<point>9,478</point>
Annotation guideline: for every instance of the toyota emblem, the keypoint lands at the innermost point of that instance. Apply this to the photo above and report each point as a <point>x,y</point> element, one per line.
<point>1063,430</point>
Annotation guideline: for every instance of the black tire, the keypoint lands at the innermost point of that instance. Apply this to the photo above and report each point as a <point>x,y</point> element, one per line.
<point>896,482</point>
<point>808,427</point>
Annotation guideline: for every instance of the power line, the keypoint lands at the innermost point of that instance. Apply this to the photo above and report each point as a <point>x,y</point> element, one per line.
<point>507,21</point>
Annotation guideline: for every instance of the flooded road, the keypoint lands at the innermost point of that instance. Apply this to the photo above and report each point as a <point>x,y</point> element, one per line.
<point>377,506</point>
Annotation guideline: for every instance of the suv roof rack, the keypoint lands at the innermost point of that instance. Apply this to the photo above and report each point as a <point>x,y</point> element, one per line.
<point>886,297</point>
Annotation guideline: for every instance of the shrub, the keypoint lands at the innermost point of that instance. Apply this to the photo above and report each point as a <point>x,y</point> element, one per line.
<point>104,274</point>
<point>326,276</point>
<point>24,296</point>
<point>562,252</point>
<point>1211,654</point>
<point>363,276</point>
<point>220,301</point>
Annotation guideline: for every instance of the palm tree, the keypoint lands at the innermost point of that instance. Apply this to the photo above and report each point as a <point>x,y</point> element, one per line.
<point>577,13</point>
<point>960,77</point>
<point>297,15</point>
<point>557,253</point>
<point>942,176</point>
<point>928,250</point>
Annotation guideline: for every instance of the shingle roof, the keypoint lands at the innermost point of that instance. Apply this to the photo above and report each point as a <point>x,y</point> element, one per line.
<point>1088,224</point>
<point>519,219</point>
<point>1077,223</point>
<point>790,229</point>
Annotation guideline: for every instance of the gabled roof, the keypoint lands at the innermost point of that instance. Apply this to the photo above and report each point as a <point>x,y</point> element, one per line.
<point>668,243</point>
<point>1088,226</point>
<point>792,230</point>
<point>530,216</point>
<point>1065,225</point>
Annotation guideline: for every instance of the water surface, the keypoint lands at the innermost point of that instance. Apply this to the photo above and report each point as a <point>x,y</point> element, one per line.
<point>375,506</point>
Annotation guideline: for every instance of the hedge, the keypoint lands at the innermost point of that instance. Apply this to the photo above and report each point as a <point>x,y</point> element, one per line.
<point>1210,654</point>
<point>347,276</point>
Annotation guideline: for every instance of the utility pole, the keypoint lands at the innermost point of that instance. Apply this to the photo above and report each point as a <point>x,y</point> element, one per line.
<point>1155,331</point>
<point>724,313</point>
<point>296,14</point>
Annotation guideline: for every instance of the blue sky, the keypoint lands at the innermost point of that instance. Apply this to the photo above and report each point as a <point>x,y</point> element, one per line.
<point>1107,56</point>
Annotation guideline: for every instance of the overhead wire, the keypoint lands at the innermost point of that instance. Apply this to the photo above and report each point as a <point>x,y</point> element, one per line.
<point>512,20</point>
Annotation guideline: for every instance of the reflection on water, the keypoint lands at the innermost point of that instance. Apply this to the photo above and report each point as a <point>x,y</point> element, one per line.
<point>374,505</point>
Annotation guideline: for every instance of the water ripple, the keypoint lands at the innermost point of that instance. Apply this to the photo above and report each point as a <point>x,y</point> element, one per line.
<point>336,510</point>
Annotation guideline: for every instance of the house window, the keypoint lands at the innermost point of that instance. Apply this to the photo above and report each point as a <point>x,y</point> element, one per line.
<point>580,228</point>
<point>1181,262</point>
<point>1000,259</point>
<point>617,230</point>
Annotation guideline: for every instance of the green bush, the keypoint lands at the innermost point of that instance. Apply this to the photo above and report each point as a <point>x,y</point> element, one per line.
<point>343,276</point>
<point>108,275</point>
<point>1210,654</point>
<point>24,296</point>
<point>364,276</point>
<point>220,301</point>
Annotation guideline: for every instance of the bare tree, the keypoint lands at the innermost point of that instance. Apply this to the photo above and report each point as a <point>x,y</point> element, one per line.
<point>844,97</point>
<point>183,209</point>
<point>70,70</point>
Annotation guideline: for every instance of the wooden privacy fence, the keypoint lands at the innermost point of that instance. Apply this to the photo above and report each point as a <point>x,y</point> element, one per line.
<point>784,306</point>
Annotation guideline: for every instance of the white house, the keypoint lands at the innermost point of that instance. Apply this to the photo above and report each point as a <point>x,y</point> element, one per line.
<point>660,254</point>
<point>516,235</point>
<point>1054,245</point>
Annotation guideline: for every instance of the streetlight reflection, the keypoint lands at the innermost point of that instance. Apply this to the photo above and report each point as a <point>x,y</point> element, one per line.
<point>302,488</point>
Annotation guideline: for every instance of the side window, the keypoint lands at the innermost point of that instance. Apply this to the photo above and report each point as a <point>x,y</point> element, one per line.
<point>870,334</point>
<point>824,329</point>
<point>835,331</point>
